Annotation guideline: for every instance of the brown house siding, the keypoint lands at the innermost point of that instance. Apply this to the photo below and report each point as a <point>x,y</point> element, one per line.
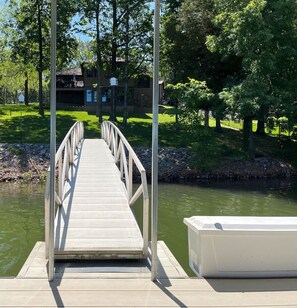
<point>78,89</point>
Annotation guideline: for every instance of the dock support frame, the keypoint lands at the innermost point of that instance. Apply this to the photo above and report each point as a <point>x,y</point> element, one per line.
<point>156,96</point>
<point>51,257</point>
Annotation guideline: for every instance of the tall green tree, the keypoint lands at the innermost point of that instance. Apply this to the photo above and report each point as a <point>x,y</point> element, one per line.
<point>186,26</point>
<point>94,12</point>
<point>123,30</point>
<point>135,43</point>
<point>30,37</point>
<point>263,34</point>
<point>130,37</point>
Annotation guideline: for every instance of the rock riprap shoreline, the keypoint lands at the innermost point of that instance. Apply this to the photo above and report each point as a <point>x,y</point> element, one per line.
<point>24,162</point>
<point>29,163</point>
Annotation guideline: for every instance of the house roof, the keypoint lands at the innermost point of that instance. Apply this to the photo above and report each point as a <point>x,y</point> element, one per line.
<point>71,71</point>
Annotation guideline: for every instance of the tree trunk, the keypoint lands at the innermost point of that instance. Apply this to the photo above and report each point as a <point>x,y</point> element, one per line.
<point>248,137</point>
<point>5,95</point>
<point>40,66</point>
<point>125,115</point>
<point>206,118</point>
<point>26,89</point>
<point>114,56</point>
<point>218,125</point>
<point>113,41</point>
<point>176,113</point>
<point>245,134</point>
<point>16,97</point>
<point>99,64</point>
<point>261,122</point>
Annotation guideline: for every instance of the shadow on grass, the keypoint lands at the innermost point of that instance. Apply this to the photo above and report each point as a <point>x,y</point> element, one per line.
<point>36,129</point>
<point>140,134</point>
<point>33,128</point>
<point>282,148</point>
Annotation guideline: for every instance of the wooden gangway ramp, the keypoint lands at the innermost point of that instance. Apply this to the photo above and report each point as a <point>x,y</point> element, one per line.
<point>94,218</point>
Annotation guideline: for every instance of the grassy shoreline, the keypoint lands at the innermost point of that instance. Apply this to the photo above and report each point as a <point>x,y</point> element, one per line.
<point>22,124</point>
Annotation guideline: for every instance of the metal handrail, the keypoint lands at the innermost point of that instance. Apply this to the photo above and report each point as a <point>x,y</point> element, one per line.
<point>119,146</point>
<point>63,161</point>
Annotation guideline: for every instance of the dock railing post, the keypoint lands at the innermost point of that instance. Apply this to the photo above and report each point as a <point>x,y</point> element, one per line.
<point>154,236</point>
<point>51,274</point>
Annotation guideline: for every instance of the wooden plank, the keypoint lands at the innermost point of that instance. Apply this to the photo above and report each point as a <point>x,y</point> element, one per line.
<point>102,214</point>
<point>99,233</point>
<point>99,223</point>
<point>103,243</point>
<point>32,256</point>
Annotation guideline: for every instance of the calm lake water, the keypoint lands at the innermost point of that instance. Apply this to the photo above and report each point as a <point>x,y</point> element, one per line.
<point>22,213</point>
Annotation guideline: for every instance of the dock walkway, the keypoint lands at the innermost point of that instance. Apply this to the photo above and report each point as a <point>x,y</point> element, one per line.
<point>144,293</point>
<point>95,220</point>
<point>103,284</point>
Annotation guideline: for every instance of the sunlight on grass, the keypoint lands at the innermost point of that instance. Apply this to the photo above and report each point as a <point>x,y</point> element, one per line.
<point>24,125</point>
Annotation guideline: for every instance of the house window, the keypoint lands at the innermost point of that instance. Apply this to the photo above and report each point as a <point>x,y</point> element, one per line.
<point>89,96</point>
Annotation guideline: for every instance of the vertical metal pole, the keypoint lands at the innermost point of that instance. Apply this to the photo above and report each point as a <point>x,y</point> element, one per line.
<point>155,143</point>
<point>51,261</point>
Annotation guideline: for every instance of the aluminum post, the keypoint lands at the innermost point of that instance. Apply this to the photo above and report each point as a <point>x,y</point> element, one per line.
<point>154,235</point>
<point>51,260</point>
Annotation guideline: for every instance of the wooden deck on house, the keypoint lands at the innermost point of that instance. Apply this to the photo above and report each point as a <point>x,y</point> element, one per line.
<point>95,220</point>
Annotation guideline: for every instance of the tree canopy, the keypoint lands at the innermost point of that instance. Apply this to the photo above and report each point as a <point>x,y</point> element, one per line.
<point>244,49</point>
<point>241,53</point>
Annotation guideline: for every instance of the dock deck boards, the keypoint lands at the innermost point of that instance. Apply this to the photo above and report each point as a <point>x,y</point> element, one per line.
<point>144,293</point>
<point>95,220</point>
<point>130,289</point>
<point>116,287</point>
<point>35,266</point>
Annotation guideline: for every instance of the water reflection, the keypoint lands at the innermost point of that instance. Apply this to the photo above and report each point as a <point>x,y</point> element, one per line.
<point>253,198</point>
<point>21,224</point>
<point>22,213</point>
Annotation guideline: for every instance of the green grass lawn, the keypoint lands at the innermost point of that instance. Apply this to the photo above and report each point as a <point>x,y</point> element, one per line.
<point>23,124</point>
<point>27,126</point>
<point>239,125</point>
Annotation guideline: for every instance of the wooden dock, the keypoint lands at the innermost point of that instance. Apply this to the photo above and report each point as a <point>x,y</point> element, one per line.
<point>108,285</point>
<point>96,220</point>
<point>35,267</point>
<point>118,286</point>
<point>144,293</point>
